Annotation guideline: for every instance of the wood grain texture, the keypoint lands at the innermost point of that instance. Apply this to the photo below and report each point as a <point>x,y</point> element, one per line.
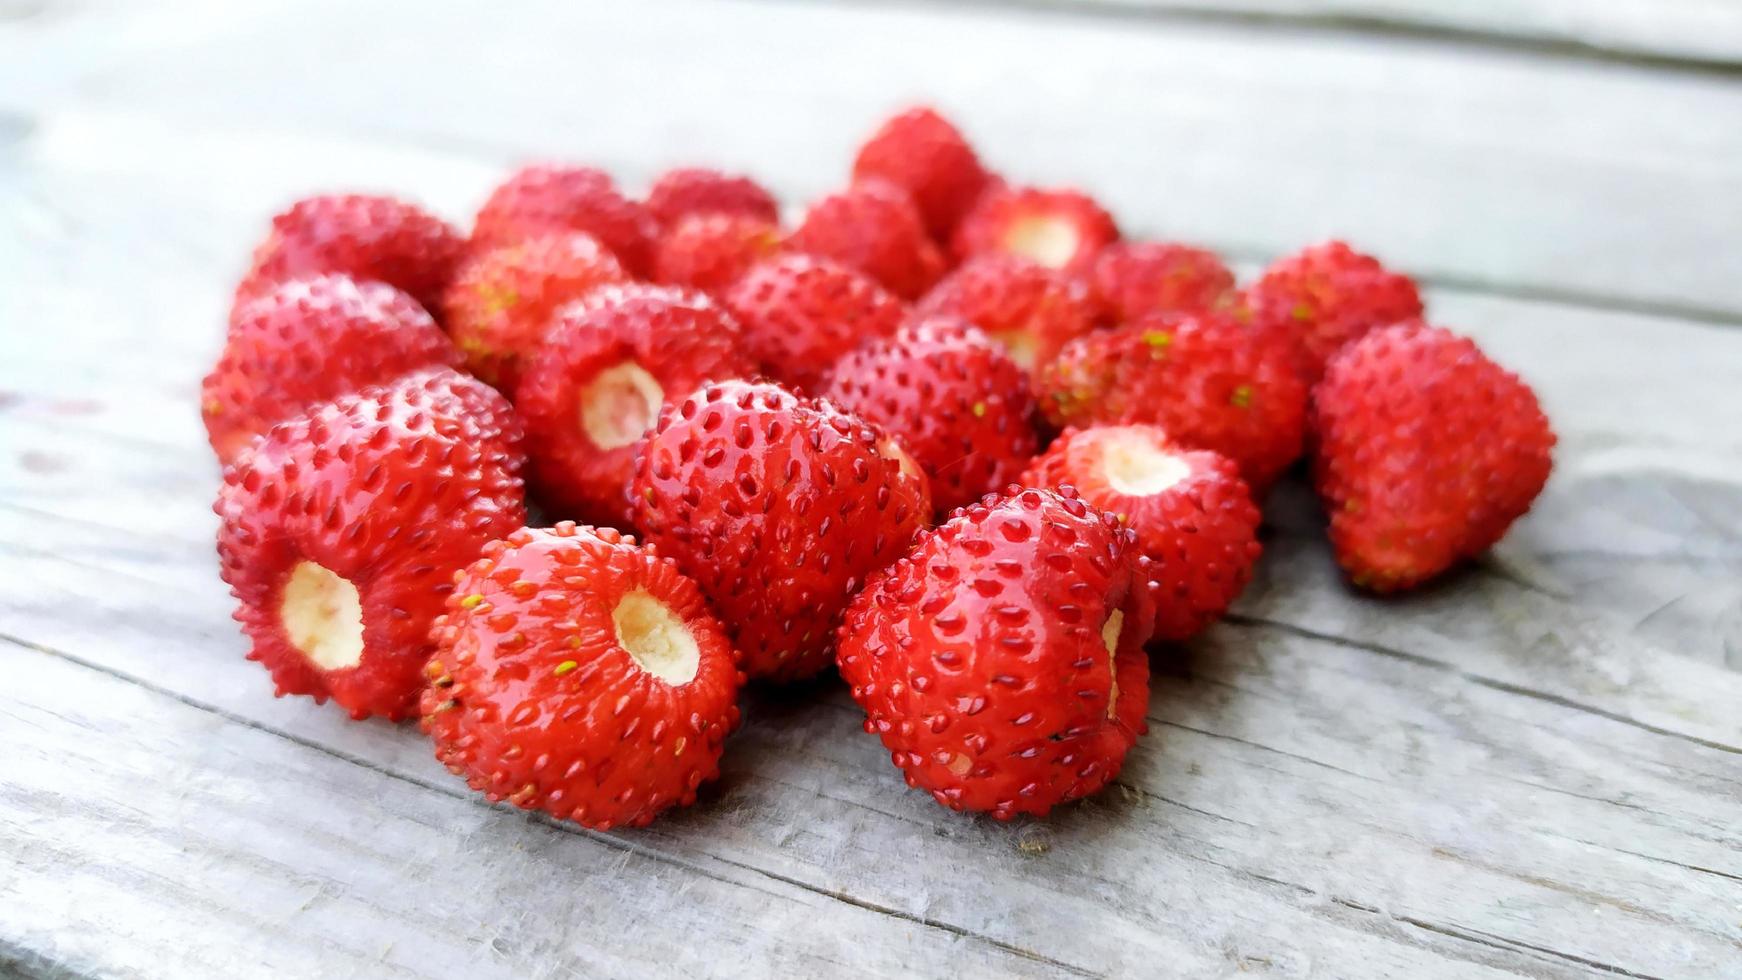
<point>1541,176</point>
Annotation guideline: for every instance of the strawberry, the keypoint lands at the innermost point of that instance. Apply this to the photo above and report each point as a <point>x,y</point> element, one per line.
<point>1426,452</point>
<point>1001,661</point>
<point>365,237</point>
<point>1323,297</point>
<point>711,251</point>
<point>921,152</point>
<point>779,507</point>
<point>549,198</point>
<point>1208,381</point>
<point>342,529</point>
<point>578,674</point>
<point>307,341</point>
<point>957,403</point>
<point>1060,229</point>
<point>1030,309</point>
<point>1132,279</point>
<point>501,301</point>
<point>874,227</point>
<point>1193,515</point>
<point>598,383</point>
<point>800,312</point>
<point>696,190</point>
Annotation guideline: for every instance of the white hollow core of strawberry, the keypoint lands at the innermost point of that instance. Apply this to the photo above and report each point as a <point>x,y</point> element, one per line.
<point>322,616</point>
<point>1110,631</point>
<point>619,405</point>
<point>1136,468</point>
<point>1050,241</point>
<point>1020,345</point>
<point>655,638</point>
<point>888,448</point>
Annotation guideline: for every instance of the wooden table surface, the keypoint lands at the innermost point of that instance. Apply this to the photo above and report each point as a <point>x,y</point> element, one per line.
<point>1532,769</point>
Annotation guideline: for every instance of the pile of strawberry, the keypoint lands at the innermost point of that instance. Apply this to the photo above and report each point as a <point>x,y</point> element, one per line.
<point>954,436</point>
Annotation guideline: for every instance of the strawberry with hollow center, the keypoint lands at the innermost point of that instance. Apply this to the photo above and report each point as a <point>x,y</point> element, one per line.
<point>596,387</point>
<point>1058,229</point>
<point>1030,309</point>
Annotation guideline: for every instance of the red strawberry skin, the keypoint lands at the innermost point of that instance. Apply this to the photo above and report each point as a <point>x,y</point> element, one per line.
<point>366,237</point>
<point>1323,297</point>
<point>697,190</point>
<point>1060,229</point>
<point>1030,309</point>
<point>711,251</point>
<point>578,674</point>
<point>502,299</point>
<point>610,364</point>
<point>1134,279</point>
<point>1193,515</point>
<point>921,152</point>
<point>1210,382</point>
<point>958,404</point>
<point>370,502</point>
<point>1001,662</point>
<point>308,341</point>
<point>779,507</point>
<point>547,198</point>
<point>1426,452</point>
<point>875,228</point>
<point>801,312</point>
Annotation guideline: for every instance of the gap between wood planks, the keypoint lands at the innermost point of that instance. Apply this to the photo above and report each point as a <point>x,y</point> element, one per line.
<point>1479,938</point>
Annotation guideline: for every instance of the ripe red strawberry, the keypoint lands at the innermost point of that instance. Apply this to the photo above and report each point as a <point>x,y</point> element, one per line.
<point>921,152</point>
<point>502,299</point>
<point>1204,378</point>
<point>1001,661</point>
<point>779,507</point>
<point>1426,452</point>
<point>309,340</point>
<point>874,227</point>
<point>1030,309</point>
<point>957,403</point>
<point>547,198</point>
<point>800,312</point>
<point>1323,297</point>
<point>581,675</point>
<point>1133,279</point>
<point>697,190</point>
<point>362,236</point>
<point>1193,515</point>
<point>712,250</point>
<point>598,383</point>
<point>342,530</point>
<point>1060,229</point>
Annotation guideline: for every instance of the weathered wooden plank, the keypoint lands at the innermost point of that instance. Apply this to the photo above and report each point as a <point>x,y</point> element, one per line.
<point>1548,176</point>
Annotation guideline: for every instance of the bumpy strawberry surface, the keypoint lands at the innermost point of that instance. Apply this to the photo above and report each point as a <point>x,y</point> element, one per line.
<point>1193,515</point>
<point>1060,229</point>
<point>1001,662</point>
<point>1030,309</point>
<point>502,299</point>
<point>779,507</point>
<point>801,312</point>
<point>874,227</point>
<point>598,383</point>
<point>546,198</point>
<point>578,674</point>
<point>309,340</point>
<point>1426,452</point>
<point>342,530</point>
<point>711,251</point>
<point>1323,297</point>
<point>698,190</point>
<point>1209,381</point>
<point>921,152</point>
<point>1133,279</point>
<point>959,405</point>
<point>366,237</point>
